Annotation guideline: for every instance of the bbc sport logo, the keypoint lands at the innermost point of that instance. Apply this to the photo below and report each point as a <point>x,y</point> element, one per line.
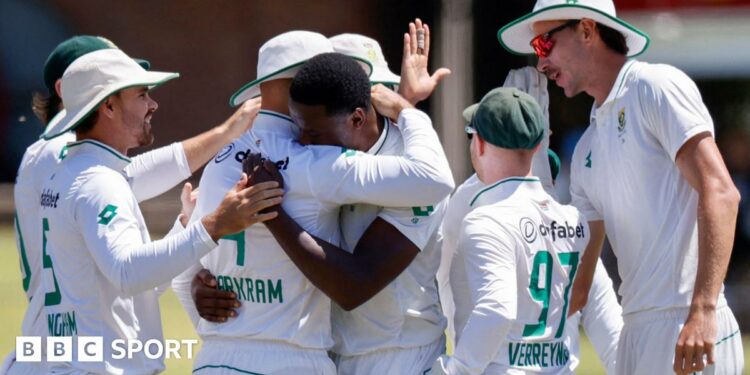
<point>91,349</point>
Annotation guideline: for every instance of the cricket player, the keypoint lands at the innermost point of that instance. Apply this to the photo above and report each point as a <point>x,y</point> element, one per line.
<point>387,317</point>
<point>399,329</point>
<point>647,170</point>
<point>517,254</point>
<point>101,269</point>
<point>149,174</point>
<point>601,318</point>
<point>283,324</point>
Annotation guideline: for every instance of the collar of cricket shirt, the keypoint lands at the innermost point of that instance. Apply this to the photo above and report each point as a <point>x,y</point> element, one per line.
<point>375,149</point>
<point>106,154</point>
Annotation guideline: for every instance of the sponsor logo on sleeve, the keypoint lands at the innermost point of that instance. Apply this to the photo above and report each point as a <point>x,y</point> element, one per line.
<point>108,213</point>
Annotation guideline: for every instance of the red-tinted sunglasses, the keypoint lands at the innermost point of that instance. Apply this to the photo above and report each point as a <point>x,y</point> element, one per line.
<point>543,43</point>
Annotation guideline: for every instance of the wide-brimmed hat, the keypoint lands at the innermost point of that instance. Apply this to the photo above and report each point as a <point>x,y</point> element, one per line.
<point>282,56</point>
<point>360,46</point>
<point>517,35</point>
<point>91,79</point>
<point>69,50</point>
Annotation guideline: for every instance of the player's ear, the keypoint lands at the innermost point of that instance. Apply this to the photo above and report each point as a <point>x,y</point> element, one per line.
<point>588,27</point>
<point>107,107</point>
<point>358,118</point>
<point>58,87</point>
<point>481,144</point>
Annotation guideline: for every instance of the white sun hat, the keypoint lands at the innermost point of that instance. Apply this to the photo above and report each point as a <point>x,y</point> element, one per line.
<point>517,35</point>
<point>91,79</point>
<point>360,46</point>
<point>282,57</point>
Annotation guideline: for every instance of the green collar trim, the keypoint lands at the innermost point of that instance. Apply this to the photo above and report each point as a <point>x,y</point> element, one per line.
<point>386,127</point>
<point>102,146</point>
<point>496,184</point>
<point>540,11</point>
<point>276,114</point>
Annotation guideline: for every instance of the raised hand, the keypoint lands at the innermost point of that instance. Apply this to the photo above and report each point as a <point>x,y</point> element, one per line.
<point>416,82</point>
<point>241,208</point>
<point>188,196</point>
<point>242,119</point>
<point>387,102</point>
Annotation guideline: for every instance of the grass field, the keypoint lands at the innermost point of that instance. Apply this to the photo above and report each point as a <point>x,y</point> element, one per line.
<point>176,323</point>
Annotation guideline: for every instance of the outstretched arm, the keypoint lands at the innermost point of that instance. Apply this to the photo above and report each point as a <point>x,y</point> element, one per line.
<point>154,172</point>
<point>349,279</point>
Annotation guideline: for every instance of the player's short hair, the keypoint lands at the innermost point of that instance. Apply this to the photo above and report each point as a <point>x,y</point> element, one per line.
<point>45,107</point>
<point>333,80</point>
<point>613,39</point>
<point>88,122</point>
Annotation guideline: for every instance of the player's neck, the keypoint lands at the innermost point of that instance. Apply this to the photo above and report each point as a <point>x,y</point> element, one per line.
<point>603,79</point>
<point>500,164</point>
<point>373,131</point>
<point>275,95</point>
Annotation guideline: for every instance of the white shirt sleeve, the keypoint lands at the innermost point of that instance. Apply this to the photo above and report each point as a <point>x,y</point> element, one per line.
<point>490,261</point>
<point>106,211</point>
<point>415,223</point>
<point>602,318</point>
<point>153,173</point>
<point>419,177</point>
<point>181,284</point>
<point>447,240</point>
<point>672,107</point>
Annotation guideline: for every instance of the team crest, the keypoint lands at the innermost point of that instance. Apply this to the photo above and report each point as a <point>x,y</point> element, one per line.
<point>372,55</point>
<point>621,120</point>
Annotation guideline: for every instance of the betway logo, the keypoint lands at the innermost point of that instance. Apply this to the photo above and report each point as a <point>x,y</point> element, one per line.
<point>554,230</point>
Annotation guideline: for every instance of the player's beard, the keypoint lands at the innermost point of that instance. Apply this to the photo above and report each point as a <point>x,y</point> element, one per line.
<point>143,133</point>
<point>146,136</point>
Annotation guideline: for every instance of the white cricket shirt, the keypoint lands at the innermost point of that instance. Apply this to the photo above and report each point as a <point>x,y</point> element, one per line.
<point>623,172</point>
<point>511,277</point>
<point>99,267</point>
<point>149,174</point>
<point>601,318</point>
<point>278,302</point>
<point>406,313</point>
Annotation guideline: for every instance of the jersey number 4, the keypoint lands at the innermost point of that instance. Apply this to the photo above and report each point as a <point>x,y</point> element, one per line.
<point>239,238</point>
<point>542,294</point>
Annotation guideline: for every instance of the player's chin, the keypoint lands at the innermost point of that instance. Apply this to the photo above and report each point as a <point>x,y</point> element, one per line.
<point>146,139</point>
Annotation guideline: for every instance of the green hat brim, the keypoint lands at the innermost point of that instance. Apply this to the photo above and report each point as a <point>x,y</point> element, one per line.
<point>252,89</point>
<point>516,36</point>
<point>66,121</point>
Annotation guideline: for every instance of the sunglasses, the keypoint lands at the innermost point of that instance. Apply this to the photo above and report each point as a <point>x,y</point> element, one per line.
<point>543,43</point>
<point>470,131</point>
